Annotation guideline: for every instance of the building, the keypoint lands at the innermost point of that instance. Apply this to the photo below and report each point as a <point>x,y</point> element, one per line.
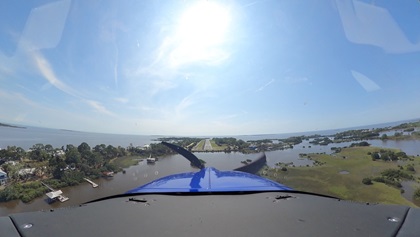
<point>26,172</point>
<point>3,177</point>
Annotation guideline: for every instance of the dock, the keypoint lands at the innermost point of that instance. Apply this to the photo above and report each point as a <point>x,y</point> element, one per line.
<point>94,185</point>
<point>55,195</point>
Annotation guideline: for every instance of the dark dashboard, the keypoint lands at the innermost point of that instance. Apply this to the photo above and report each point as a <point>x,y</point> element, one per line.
<point>217,214</point>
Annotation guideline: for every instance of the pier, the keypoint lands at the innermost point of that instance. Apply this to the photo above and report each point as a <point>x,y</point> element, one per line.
<point>94,185</point>
<point>55,194</point>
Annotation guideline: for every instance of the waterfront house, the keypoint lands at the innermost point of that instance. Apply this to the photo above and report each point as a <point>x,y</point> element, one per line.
<point>3,177</point>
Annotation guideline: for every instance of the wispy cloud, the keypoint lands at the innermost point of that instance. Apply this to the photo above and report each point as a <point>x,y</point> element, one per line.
<point>98,107</point>
<point>294,80</point>
<point>265,85</point>
<point>25,109</point>
<point>251,4</point>
<point>17,97</point>
<point>367,84</point>
<point>122,100</point>
<point>232,116</point>
<point>6,70</point>
<point>48,73</point>
<point>116,65</point>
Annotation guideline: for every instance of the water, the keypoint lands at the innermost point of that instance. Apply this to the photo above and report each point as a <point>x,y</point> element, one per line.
<point>27,137</point>
<point>411,147</point>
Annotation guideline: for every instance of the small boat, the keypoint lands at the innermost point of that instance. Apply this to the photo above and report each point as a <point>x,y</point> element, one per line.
<point>151,160</point>
<point>108,174</point>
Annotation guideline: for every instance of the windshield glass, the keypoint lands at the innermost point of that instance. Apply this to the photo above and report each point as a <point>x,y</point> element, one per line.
<point>327,89</point>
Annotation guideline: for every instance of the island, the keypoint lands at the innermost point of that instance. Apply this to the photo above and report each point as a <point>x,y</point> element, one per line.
<point>10,126</point>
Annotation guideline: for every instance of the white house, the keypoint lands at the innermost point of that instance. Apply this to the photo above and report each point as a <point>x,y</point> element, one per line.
<point>3,177</point>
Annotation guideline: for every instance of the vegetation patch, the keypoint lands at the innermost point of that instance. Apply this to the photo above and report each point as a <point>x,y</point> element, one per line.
<point>326,179</point>
<point>126,161</point>
<point>217,147</point>
<point>25,192</point>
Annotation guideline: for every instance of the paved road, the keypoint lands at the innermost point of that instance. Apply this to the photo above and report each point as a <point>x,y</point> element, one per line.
<point>207,145</point>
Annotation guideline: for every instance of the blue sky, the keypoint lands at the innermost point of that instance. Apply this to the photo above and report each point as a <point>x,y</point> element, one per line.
<point>208,67</point>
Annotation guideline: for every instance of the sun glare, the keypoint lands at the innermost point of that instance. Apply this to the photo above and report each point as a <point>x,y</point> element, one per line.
<point>201,28</point>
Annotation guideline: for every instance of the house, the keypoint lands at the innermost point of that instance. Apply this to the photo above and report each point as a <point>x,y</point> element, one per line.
<point>26,172</point>
<point>59,153</point>
<point>11,162</point>
<point>3,177</point>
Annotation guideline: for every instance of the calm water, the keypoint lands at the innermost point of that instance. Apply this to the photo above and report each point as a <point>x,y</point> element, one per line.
<point>27,137</point>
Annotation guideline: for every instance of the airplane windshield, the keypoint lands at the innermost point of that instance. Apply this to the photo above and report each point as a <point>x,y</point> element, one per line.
<point>327,90</point>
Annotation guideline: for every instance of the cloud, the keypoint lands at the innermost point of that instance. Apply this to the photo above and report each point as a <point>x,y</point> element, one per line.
<point>14,96</point>
<point>365,82</point>
<point>251,4</point>
<point>6,70</point>
<point>232,116</point>
<point>294,80</point>
<point>184,104</point>
<point>98,107</point>
<point>47,72</point>
<point>121,100</point>
<point>265,85</point>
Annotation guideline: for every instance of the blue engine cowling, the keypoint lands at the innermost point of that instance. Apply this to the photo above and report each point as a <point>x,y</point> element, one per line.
<point>210,180</point>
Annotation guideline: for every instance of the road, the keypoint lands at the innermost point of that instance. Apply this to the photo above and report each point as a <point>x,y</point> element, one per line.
<point>207,145</point>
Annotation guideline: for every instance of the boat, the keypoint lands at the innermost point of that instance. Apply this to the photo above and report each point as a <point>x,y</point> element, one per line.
<point>108,174</point>
<point>151,160</point>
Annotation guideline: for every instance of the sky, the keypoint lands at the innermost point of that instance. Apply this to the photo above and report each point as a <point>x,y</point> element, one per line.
<point>198,68</point>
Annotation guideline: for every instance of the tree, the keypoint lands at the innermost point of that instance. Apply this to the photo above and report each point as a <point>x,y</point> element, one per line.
<point>94,159</point>
<point>48,148</point>
<point>58,166</point>
<point>83,148</point>
<point>410,167</point>
<point>375,156</point>
<point>13,171</point>
<point>73,156</point>
<point>12,153</point>
<point>100,149</point>
<point>38,153</point>
<point>416,195</point>
<point>367,181</point>
<point>111,152</point>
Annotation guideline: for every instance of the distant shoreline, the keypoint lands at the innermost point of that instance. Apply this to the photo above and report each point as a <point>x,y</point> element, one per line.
<point>10,126</point>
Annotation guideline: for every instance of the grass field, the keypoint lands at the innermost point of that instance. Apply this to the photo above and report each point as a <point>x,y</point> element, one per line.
<point>217,147</point>
<point>199,146</point>
<point>126,161</point>
<point>326,178</point>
